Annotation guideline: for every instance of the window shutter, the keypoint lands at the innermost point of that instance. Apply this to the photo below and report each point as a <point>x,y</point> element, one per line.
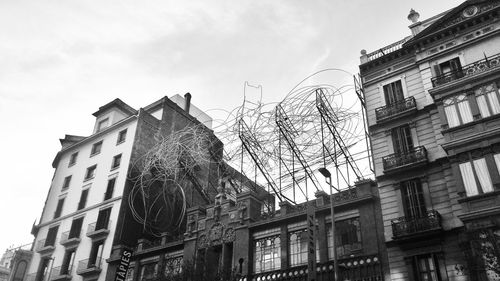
<point>83,199</point>
<point>437,70</point>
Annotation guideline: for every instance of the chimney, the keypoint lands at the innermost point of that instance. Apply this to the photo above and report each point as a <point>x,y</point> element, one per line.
<point>415,26</point>
<point>187,102</point>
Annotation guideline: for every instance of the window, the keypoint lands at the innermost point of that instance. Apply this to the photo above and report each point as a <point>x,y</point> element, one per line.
<point>449,68</point>
<point>43,269</point>
<point>59,207</point>
<point>66,182</point>
<point>72,159</point>
<point>402,140</point>
<point>76,228</point>
<point>393,92</point>
<point>102,124</point>
<point>148,271</point>
<point>487,100</point>
<point>96,148</point>
<point>103,219</point>
<point>347,237</point>
<point>116,161</point>
<point>90,172</point>
<point>267,254</point>
<point>475,177</point>
<point>83,199</point>
<point>51,236</point>
<point>122,135</point>
<point>457,110</point>
<point>426,267</point>
<point>96,254</point>
<point>413,199</point>
<point>68,260</point>
<point>109,189</point>
<point>297,245</point>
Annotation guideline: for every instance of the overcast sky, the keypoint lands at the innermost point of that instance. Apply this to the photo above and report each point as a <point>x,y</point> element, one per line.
<point>61,60</point>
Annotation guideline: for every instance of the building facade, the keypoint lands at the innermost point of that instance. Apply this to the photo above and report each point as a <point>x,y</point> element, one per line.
<point>240,240</point>
<point>433,110</point>
<point>86,210</point>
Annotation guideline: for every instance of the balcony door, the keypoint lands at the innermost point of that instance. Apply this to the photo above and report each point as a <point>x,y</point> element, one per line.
<point>103,219</point>
<point>393,92</point>
<point>413,199</point>
<point>401,139</point>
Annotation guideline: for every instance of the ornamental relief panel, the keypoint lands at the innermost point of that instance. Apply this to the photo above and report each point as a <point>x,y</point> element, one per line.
<point>216,235</point>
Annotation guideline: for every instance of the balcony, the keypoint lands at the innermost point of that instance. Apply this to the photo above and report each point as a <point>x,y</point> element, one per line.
<point>469,70</point>
<point>402,161</point>
<point>30,277</point>
<point>60,273</point>
<point>45,246</point>
<point>88,267</point>
<point>404,227</point>
<point>96,231</point>
<point>68,241</point>
<point>396,109</point>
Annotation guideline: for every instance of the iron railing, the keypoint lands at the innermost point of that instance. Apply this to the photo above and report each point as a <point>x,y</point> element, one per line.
<point>30,277</point>
<point>59,271</point>
<point>386,50</point>
<point>93,227</point>
<point>44,244</point>
<point>65,237</point>
<point>88,264</point>
<point>404,226</point>
<point>395,108</point>
<point>467,70</point>
<point>397,160</point>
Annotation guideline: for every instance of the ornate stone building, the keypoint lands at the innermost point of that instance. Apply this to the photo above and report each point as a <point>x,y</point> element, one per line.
<point>241,240</point>
<point>433,108</point>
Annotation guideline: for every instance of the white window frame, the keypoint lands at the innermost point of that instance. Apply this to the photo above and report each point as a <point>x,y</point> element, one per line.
<point>476,183</point>
<point>389,81</point>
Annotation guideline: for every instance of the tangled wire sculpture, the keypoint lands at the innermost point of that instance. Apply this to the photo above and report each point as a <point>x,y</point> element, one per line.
<point>289,156</point>
<point>158,198</point>
<point>318,146</point>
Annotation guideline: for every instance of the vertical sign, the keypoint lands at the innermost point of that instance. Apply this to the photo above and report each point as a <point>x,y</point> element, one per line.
<point>121,271</point>
<point>311,242</point>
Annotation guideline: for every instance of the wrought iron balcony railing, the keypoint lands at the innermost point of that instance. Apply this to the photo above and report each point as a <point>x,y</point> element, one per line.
<point>398,160</point>
<point>468,70</point>
<point>45,245</point>
<point>405,226</point>
<point>68,238</point>
<point>95,229</point>
<point>30,277</point>
<point>393,109</point>
<point>60,273</point>
<point>89,266</point>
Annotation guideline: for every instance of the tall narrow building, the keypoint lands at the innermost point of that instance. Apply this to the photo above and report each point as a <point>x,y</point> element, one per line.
<point>433,108</point>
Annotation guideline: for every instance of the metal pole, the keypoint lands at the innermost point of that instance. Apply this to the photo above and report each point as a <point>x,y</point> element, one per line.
<point>324,171</point>
<point>332,214</point>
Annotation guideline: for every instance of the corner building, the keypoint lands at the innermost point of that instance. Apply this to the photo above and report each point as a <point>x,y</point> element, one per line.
<point>86,210</point>
<point>433,109</point>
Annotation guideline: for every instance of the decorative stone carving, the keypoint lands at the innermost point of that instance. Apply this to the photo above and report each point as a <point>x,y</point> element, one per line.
<point>229,236</point>
<point>242,209</point>
<point>203,241</point>
<point>215,234</point>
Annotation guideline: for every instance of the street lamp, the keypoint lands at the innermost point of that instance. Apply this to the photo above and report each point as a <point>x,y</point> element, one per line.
<point>324,171</point>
